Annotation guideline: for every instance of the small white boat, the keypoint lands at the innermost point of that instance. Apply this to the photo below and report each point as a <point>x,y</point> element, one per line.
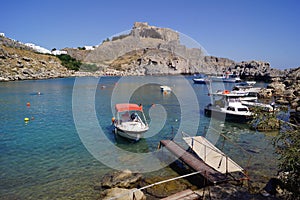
<point>227,77</point>
<point>263,106</point>
<point>241,95</point>
<point>247,86</point>
<point>165,88</point>
<point>227,108</point>
<point>128,122</point>
<point>201,79</point>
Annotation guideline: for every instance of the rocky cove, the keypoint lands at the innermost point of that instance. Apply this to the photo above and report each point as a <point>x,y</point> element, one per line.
<point>155,56</point>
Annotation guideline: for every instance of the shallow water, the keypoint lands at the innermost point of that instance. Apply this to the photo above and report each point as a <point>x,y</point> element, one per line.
<point>47,158</point>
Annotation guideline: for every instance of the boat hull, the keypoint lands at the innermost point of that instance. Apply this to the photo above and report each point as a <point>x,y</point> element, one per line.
<point>199,81</point>
<point>219,114</point>
<point>131,135</point>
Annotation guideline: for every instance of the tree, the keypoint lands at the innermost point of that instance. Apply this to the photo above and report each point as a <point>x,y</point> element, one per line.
<point>287,145</point>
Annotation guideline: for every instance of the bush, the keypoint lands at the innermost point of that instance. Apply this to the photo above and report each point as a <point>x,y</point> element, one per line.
<point>89,67</point>
<point>287,145</point>
<point>69,62</point>
<point>264,121</point>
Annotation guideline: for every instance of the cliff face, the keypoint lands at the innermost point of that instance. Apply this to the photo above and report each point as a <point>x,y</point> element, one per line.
<point>145,50</point>
<point>148,50</point>
<point>158,51</point>
<point>20,63</point>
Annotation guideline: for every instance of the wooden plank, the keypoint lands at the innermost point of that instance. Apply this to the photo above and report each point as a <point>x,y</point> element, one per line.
<point>195,163</point>
<point>183,195</point>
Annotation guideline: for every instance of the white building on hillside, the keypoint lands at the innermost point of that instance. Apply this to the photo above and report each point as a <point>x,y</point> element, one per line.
<point>58,52</point>
<point>38,48</point>
<point>89,47</point>
<point>2,35</point>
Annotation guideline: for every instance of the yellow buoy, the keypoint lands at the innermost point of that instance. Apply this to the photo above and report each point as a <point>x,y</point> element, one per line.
<point>26,119</point>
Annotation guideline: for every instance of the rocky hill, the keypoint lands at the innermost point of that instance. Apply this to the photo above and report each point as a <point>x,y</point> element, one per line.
<point>150,50</point>
<point>145,50</point>
<point>19,62</point>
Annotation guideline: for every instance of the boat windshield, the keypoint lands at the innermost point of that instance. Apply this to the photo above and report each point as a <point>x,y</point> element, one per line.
<point>243,109</point>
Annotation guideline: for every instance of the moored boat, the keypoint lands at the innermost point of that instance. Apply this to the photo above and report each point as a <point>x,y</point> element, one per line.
<point>128,122</point>
<point>227,77</point>
<point>229,109</point>
<point>165,88</point>
<point>201,79</point>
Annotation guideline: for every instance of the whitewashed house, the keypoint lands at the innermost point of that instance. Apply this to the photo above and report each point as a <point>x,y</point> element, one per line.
<point>58,52</point>
<point>38,48</point>
<point>89,47</point>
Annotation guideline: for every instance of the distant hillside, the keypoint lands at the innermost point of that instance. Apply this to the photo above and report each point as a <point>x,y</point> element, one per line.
<point>148,50</point>
<point>145,50</point>
<point>19,62</point>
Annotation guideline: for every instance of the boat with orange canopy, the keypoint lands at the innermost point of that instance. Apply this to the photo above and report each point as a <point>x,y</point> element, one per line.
<point>130,121</point>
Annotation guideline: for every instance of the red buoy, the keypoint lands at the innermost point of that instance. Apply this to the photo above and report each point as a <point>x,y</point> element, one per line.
<point>27,104</point>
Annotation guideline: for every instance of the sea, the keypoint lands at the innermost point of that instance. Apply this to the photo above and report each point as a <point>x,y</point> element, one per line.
<point>67,144</point>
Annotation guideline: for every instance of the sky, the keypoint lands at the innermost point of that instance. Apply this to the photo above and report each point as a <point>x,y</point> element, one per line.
<point>241,30</point>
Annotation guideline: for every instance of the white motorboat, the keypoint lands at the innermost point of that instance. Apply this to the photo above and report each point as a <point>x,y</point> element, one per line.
<point>263,106</point>
<point>165,88</point>
<point>247,86</point>
<point>227,77</point>
<point>227,108</point>
<point>201,79</point>
<point>128,122</point>
<point>241,95</point>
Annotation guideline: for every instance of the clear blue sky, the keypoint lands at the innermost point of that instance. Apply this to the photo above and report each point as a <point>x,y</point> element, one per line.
<point>267,30</point>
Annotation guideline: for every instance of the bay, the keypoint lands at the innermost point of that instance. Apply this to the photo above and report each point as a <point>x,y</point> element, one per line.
<point>47,158</point>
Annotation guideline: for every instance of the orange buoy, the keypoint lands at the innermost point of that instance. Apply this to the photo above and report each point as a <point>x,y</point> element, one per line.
<point>113,120</point>
<point>28,104</point>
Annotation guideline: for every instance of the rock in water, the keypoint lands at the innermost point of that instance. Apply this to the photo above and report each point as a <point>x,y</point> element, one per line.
<point>124,179</point>
<point>123,194</point>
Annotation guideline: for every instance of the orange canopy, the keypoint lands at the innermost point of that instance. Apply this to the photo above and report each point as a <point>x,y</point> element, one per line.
<point>128,107</point>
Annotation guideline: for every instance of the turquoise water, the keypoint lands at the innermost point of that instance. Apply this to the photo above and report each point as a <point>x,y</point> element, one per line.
<point>46,158</point>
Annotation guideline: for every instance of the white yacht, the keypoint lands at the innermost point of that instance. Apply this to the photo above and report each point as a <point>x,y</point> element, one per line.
<point>229,109</point>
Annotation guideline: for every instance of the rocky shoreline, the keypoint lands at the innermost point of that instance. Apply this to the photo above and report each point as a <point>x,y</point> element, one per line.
<point>124,184</point>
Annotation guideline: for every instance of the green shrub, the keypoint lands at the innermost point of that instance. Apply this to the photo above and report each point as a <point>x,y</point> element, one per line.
<point>69,62</point>
<point>287,145</point>
<point>89,67</point>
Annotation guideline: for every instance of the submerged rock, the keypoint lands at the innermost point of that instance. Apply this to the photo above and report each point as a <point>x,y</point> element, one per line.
<point>124,179</point>
<point>165,189</point>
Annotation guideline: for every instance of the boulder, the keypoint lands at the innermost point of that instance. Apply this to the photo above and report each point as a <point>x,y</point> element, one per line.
<point>123,194</point>
<point>265,93</point>
<point>277,87</point>
<point>124,179</point>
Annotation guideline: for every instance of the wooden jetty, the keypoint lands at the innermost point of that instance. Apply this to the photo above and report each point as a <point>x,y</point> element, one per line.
<point>183,195</point>
<point>195,163</point>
